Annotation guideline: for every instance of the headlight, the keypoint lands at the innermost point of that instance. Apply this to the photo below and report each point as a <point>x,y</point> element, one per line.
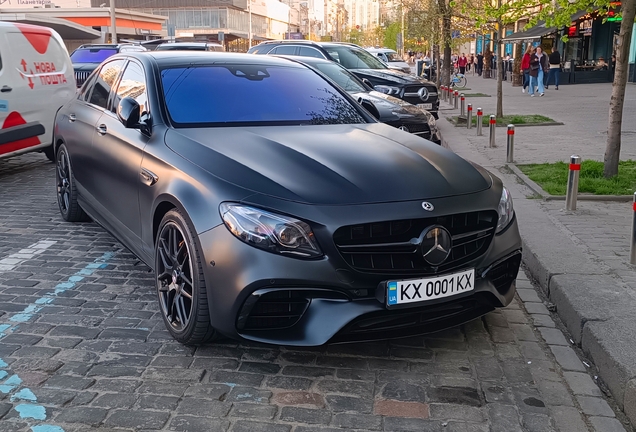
<point>505,210</point>
<point>390,90</point>
<point>271,232</point>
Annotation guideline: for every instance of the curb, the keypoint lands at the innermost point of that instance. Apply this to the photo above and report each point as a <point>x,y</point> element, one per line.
<point>581,197</point>
<point>593,307</point>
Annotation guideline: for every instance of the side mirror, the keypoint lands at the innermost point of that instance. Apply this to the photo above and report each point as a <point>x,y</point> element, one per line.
<point>368,105</point>
<point>367,82</point>
<point>128,112</point>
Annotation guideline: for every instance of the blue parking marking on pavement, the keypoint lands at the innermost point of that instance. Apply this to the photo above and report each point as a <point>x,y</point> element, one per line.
<point>30,409</point>
<point>31,310</point>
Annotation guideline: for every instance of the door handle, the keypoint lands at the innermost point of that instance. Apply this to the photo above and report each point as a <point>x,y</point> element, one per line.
<point>148,177</point>
<point>5,89</point>
<point>72,117</point>
<point>102,129</point>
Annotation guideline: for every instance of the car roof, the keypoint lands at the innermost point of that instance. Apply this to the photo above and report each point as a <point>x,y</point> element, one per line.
<point>189,44</point>
<point>111,46</point>
<point>185,58</point>
<point>308,42</point>
<point>381,50</point>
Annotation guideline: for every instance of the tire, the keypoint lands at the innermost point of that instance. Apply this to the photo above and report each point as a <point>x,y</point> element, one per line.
<point>49,152</point>
<point>66,190</point>
<point>435,115</point>
<point>179,281</point>
<point>462,82</point>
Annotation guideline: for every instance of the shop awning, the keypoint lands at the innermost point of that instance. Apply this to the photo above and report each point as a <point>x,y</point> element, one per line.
<point>532,34</point>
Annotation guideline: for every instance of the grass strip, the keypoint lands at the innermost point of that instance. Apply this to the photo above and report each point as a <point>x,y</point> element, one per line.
<point>553,177</point>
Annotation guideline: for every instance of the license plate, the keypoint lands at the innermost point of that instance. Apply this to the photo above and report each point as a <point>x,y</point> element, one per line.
<point>421,290</point>
<point>426,106</point>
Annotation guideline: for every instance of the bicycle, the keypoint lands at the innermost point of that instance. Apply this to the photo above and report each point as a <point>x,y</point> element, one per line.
<point>458,80</point>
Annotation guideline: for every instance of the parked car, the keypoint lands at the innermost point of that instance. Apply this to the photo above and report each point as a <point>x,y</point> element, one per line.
<point>87,57</point>
<point>390,110</point>
<point>391,58</point>
<point>414,90</point>
<point>297,220</point>
<point>190,46</point>
<point>34,67</point>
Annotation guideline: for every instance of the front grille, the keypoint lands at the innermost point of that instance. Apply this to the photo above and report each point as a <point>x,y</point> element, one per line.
<point>276,310</point>
<point>419,128</point>
<point>80,77</point>
<point>391,246</point>
<point>504,273</point>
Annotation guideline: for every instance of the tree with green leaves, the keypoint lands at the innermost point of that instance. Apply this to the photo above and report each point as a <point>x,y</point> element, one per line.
<point>558,14</point>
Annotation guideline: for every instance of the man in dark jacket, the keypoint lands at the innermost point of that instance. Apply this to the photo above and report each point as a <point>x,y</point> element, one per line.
<point>480,63</point>
<point>555,68</point>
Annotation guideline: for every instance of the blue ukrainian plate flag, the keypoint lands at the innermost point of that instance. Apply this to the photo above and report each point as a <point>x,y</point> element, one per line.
<point>392,293</point>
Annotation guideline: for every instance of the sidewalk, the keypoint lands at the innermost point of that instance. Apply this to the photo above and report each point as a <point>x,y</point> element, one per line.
<point>581,258</point>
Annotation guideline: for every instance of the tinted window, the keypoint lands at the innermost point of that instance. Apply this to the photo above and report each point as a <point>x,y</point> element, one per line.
<point>133,84</point>
<point>85,91</point>
<point>354,58</point>
<point>341,76</point>
<point>253,94</point>
<point>104,82</point>
<point>94,55</point>
<point>310,52</point>
<point>394,57</point>
<point>284,50</point>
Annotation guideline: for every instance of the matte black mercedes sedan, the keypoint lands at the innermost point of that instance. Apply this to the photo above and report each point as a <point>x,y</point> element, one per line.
<point>272,207</point>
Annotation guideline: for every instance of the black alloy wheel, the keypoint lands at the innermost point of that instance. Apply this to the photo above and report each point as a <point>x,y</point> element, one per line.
<point>180,282</point>
<point>66,191</point>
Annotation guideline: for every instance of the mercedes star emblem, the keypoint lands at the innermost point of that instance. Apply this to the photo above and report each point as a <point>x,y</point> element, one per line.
<point>427,206</point>
<point>436,245</point>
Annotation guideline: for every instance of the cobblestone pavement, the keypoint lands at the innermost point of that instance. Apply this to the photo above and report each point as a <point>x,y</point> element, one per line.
<point>82,347</point>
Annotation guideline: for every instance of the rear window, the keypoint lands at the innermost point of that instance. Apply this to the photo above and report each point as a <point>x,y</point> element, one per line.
<point>92,55</point>
<point>234,95</point>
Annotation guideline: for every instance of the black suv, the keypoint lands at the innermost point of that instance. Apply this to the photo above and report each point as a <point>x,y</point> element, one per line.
<point>87,57</point>
<point>415,90</point>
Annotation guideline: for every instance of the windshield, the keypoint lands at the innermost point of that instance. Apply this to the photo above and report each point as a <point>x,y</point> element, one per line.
<point>239,95</point>
<point>341,76</point>
<point>393,57</point>
<point>92,55</point>
<point>354,58</point>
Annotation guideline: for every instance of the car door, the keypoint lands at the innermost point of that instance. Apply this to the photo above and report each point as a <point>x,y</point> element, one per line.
<point>79,119</point>
<point>115,179</point>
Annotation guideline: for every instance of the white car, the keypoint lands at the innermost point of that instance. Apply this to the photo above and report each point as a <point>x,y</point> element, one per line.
<point>36,79</point>
<point>391,58</point>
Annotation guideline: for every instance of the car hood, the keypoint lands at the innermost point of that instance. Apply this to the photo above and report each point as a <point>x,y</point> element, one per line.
<point>329,164</point>
<point>391,75</point>
<point>392,108</point>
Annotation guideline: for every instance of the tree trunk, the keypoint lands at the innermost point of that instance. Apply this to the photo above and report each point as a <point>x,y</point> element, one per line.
<point>500,73</point>
<point>614,126</point>
<point>437,64</point>
<point>445,12</point>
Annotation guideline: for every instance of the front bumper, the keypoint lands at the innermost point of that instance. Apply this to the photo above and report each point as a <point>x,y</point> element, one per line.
<point>325,300</point>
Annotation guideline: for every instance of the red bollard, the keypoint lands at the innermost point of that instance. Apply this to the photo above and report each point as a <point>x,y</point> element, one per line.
<point>455,98</point>
<point>480,114</point>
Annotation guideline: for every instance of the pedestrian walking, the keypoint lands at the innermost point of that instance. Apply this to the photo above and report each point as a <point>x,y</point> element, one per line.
<point>525,67</point>
<point>555,68</point>
<point>538,67</point>
<point>480,63</point>
<point>462,62</point>
<point>471,63</point>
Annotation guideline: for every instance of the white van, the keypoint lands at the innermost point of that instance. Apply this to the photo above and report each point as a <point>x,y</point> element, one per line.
<point>36,79</point>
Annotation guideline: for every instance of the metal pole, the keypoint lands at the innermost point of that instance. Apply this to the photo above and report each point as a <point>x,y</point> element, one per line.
<point>249,12</point>
<point>493,124</point>
<point>632,255</point>
<point>480,115</point>
<point>462,105</point>
<point>469,122</point>
<point>510,147</point>
<point>455,97</point>
<point>573,183</point>
<point>113,23</point>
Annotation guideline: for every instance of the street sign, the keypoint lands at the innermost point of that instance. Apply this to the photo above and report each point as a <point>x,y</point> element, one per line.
<point>455,34</point>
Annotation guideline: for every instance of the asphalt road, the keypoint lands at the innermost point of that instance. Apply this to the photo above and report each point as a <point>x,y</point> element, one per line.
<point>82,347</point>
